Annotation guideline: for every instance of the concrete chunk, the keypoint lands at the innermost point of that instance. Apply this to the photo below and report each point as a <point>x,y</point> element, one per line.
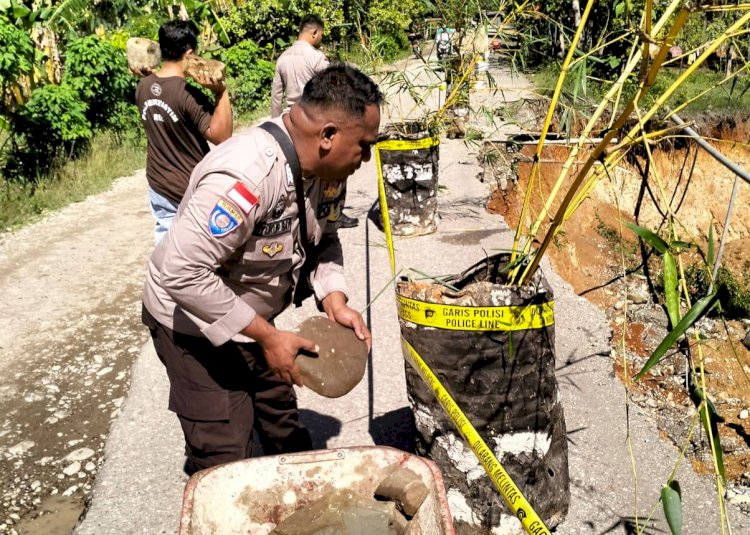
<point>405,488</point>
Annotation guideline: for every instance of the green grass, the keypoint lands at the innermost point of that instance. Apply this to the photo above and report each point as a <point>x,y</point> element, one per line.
<point>248,119</point>
<point>22,203</point>
<point>731,95</point>
<point>371,65</point>
<point>733,288</point>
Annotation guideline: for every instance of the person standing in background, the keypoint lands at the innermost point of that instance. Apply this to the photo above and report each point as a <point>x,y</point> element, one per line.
<point>179,121</point>
<point>294,68</point>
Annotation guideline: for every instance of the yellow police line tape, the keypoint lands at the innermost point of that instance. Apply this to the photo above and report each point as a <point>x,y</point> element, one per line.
<point>471,318</point>
<point>532,524</point>
<point>408,144</point>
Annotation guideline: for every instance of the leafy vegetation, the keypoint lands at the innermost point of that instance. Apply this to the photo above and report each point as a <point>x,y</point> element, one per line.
<point>22,202</point>
<point>99,73</point>
<point>16,54</point>
<point>734,292</point>
<point>50,128</point>
<point>249,76</point>
<point>65,84</point>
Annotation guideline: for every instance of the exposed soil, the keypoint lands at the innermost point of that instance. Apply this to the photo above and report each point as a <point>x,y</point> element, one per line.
<point>592,255</point>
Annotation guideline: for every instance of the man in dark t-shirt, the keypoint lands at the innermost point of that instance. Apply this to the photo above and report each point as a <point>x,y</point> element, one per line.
<point>179,121</point>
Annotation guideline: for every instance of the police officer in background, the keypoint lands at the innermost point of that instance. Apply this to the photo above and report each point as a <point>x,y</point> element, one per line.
<point>295,66</point>
<point>234,255</point>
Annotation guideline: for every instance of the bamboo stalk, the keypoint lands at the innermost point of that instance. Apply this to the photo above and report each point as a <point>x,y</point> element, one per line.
<point>608,98</point>
<point>677,25</point>
<point>548,121</point>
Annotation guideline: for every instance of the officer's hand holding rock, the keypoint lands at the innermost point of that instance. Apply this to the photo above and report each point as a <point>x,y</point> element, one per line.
<point>280,349</point>
<point>337,310</point>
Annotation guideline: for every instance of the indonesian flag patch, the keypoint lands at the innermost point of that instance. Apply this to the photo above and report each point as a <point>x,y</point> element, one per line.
<point>242,197</point>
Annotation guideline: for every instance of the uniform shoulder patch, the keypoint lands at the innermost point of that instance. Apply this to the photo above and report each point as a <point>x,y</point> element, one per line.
<point>224,218</point>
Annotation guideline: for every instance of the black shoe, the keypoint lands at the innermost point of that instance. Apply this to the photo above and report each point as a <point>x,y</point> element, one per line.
<point>344,221</point>
<point>190,467</point>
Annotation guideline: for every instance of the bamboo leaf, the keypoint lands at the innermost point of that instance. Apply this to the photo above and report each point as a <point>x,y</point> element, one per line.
<point>220,29</point>
<point>711,246</point>
<point>671,292</point>
<point>698,310</point>
<point>651,238</point>
<point>671,501</point>
<point>677,244</point>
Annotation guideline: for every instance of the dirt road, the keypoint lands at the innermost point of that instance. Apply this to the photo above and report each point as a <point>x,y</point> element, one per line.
<point>70,289</point>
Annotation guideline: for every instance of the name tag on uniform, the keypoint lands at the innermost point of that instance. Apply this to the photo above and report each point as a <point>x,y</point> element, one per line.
<point>273,228</point>
<point>224,219</point>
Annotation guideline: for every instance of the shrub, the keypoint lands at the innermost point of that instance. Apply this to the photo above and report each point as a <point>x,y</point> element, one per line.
<point>99,72</point>
<point>16,55</point>
<point>389,45</point>
<point>273,23</point>
<point>50,127</point>
<point>248,76</point>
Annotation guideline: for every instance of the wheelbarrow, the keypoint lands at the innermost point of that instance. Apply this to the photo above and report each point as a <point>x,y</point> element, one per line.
<point>253,495</point>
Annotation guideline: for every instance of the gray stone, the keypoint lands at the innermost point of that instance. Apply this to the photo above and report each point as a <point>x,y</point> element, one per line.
<point>653,315</point>
<point>341,361</point>
<point>638,294</point>
<point>80,454</point>
<point>746,340</point>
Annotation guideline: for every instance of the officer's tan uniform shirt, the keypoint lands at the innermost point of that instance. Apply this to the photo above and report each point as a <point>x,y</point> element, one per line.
<point>233,251</point>
<point>294,68</point>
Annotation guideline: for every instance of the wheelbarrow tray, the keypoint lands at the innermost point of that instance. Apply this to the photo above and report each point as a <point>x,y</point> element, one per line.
<point>252,496</point>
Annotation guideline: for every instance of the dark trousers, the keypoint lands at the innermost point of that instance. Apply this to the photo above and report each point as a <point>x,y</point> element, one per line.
<point>221,393</point>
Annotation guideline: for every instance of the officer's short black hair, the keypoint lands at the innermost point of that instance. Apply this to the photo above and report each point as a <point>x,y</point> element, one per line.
<point>310,22</point>
<point>341,87</point>
<point>176,37</point>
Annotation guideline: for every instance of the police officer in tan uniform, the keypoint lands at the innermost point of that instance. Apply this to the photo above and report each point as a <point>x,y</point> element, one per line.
<point>229,264</point>
<point>295,66</point>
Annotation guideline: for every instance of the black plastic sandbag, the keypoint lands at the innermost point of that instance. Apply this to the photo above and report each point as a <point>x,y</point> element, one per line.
<point>503,380</point>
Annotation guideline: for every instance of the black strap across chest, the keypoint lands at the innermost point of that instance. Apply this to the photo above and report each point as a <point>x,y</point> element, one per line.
<point>291,158</point>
